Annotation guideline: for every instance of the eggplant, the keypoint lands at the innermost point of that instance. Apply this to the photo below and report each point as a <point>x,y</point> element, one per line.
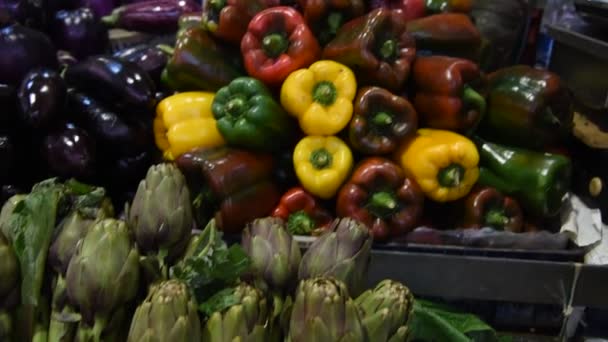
<point>148,57</point>
<point>113,81</point>
<point>21,50</point>
<point>79,32</point>
<point>106,126</point>
<point>99,7</point>
<point>154,16</point>
<point>41,98</point>
<point>7,157</point>
<point>31,13</point>
<point>8,103</point>
<point>69,151</point>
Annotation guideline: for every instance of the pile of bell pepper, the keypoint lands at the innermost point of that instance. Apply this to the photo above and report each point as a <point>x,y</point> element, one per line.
<point>375,110</point>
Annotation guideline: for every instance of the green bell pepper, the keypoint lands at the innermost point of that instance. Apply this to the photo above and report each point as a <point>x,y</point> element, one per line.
<point>248,116</point>
<point>198,63</point>
<point>539,181</point>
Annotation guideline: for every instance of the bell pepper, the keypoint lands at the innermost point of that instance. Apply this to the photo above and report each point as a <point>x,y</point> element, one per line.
<point>527,107</point>
<point>233,186</point>
<point>377,47</point>
<point>320,97</point>
<point>302,212</point>
<point>488,207</point>
<point>447,34</point>
<point>442,6</point>
<point>406,9</point>
<point>198,63</point>
<point>443,163</point>
<point>183,122</point>
<point>382,197</point>
<point>322,164</point>
<point>446,96</point>
<point>248,116</point>
<point>538,181</point>
<point>381,121</point>
<point>278,42</point>
<point>228,19</point>
<point>325,17</point>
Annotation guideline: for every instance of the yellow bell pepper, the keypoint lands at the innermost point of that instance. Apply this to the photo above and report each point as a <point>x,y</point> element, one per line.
<point>322,164</point>
<point>185,121</point>
<point>320,97</point>
<point>443,163</point>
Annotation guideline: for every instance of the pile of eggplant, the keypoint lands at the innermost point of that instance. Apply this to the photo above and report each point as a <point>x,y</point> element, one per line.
<point>68,106</point>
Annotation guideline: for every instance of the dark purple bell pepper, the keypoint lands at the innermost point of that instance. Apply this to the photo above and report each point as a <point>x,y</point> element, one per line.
<point>21,50</point>
<point>149,57</point>
<point>69,152</point>
<point>79,32</point>
<point>41,98</point>
<point>154,16</point>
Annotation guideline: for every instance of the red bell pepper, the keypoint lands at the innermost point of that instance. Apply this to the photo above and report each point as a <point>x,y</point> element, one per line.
<point>446,96</point>
<point>302,212</point>
<point>277,43</point>
<point>325,17</point>
<point>405,9</point>
<point>487,207</point>
<point>381,196</point>
<point>228,19</point>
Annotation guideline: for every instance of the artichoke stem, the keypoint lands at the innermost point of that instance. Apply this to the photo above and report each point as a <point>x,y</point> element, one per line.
<point>98,327</point>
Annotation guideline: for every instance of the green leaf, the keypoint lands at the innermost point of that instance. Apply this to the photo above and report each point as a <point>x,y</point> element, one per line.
<point>437,322</point>
<point>219,302</point>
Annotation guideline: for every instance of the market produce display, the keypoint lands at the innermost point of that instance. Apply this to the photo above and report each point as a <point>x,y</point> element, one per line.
<point>359,123</point>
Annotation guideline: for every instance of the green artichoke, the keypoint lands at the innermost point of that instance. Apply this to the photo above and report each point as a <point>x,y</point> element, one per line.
<point>274,255</point>
<point>161,214</point>
<point>323,311</point>
<point>343,253</point>
<point>103,273</point>
<point>9,287</point>
<point>169,313</point>
<point>386,311</point>
<point>7,210</point>
<point>245,321</point>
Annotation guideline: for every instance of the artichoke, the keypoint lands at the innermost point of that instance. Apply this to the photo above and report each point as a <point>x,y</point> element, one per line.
<point>343,253</point>
<point>275,256</point>
<point>161,214</point>
<point>169,313</point>
<point>323,311</point>
<point>103,274</point>
<point>9,287</point>
<point>245,321</point>
<point>386,311</point>
<point>7,210</point>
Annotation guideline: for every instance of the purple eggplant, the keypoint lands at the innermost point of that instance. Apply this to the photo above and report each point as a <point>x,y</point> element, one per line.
<point>8,105</point>
<point>21,50</point>
<point>99,7</point>
<point>113,81</point>
<point>149,57</point>
<point>79,32</point>
<point>41,98</point>
<point>107,127</point>
<point>31,13</point>
<point>7,157</point>
<point>69,152</point>
<point>154,16</point>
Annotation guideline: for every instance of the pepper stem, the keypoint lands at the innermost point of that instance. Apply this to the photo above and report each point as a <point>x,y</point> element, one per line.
<point>166,49</point>
<point>334,22</point>
<point>217,4</point>
<point>382,204</point>
<point>321,159</point>
<point>300,223</point>
<point>496,218</point>
<point>324,93</point>
<point>275,44</point>
<point>235,107</point>
<point>451,176</point>
<point>382,119</point>
<point>472,100</point>
<point>388,49</point>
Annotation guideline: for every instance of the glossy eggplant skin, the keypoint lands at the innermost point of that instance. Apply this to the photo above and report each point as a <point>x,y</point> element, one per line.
<point>79,32</point>
<point>99,7</point>
<point>148,57</point>
<point>113,81</point>
<point>31,13</point>
<point>69,152</point>
<point>153,16</point>
<point>107,127</point>
<point>8,107</point>
<point>41,98</point>
<point>21,50</point>
<point>7,157</point>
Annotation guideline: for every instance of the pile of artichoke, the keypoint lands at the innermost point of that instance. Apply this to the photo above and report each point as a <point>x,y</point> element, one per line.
<point>150,277</point>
